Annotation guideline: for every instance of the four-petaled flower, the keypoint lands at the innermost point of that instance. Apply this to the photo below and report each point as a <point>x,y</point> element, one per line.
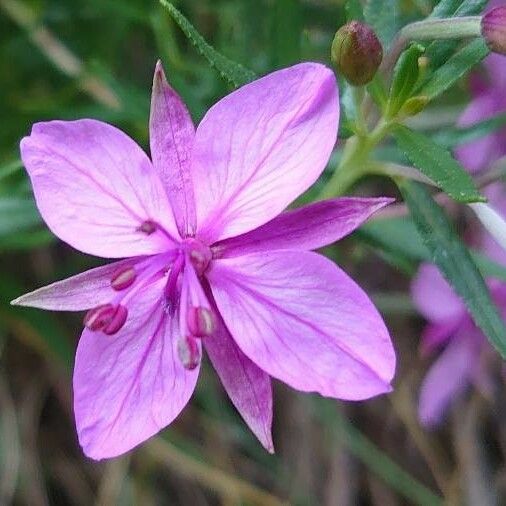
<point>212,262</point>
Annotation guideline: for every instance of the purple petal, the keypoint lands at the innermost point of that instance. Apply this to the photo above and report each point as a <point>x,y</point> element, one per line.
<point>479,154</point>
<point>496,66</point>
<point>130,385</point>
<point>435,335</point>
<point>248,387</point>
<point>304,321</point>
<point>434,297</point>
<point>447,378</point>
<point>309,227</point>
<point>496,195</point>
<point>96,189</point>
<point>77,293</point>
<point>172,134</point>
<point>261,146</point>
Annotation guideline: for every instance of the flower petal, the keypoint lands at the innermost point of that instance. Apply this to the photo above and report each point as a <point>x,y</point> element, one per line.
<point>248,387</point>
<point>130,385</point>
<point>434,297</point>
<point>304,321</point>
<point>261,146</point>
<point>478,154</point>
<point>95,188</point>
<point>309,227</point>
<point>447,378</point>
<point>435,335</point>
<point>77,293</point>
<point>171,134</point>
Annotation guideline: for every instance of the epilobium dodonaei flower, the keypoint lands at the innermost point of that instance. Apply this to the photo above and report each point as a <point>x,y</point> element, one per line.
<point>212,263</point>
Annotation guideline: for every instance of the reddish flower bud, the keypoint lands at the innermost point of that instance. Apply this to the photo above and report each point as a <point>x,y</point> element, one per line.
<point>123,278</point>
<point>493,29</point>
<point>189,352</point>
<point>201,322</point>
<point>356,52</point>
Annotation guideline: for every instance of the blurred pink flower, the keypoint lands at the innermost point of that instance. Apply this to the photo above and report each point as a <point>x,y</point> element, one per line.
<point>450,325</point>
<point>213,262</point>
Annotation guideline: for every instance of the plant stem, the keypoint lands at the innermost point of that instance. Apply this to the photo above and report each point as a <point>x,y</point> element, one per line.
<point>354,163</point>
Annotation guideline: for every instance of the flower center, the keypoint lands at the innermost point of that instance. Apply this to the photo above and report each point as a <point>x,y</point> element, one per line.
<point>200,255</point>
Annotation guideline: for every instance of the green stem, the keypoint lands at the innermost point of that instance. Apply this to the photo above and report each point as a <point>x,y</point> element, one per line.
<point>451,28</point>
<point>354,163</point>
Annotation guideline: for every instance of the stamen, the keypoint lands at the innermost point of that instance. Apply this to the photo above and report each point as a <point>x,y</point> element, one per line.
<point>107,318</point>
<point>201,321</point>
<point>199,254</point>
<point>117,321</point>
<point>98,317</point>
<point>189,352</point>
<point>123,278</point>
<point>148,227</point>
<point>171,288</point>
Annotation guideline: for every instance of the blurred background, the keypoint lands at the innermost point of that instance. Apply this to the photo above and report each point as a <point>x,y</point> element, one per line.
<point>67,59</point>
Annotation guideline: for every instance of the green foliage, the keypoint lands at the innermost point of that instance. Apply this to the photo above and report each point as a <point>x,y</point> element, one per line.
<point>400,242</point>
<point>438,52</point>
<point>452,137</point>
<point>286,30</point>
<point>233,72</point>
<point>459,64</point>
<point>454,262</point>
<point>383,17</point>
<point>405,77</point>
<point>437,164</point>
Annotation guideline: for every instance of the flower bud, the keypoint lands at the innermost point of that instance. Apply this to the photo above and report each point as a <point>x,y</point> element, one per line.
<point>493,29</point>
<point>356,52</point>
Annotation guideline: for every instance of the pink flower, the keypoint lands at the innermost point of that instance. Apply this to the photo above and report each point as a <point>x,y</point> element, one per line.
<point>212,264</point>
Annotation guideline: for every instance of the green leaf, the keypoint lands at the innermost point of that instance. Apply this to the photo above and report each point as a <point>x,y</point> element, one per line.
<point>440,51</point>
<point>383,17</point>
<point>452,137</point>
<point>452,8</point>
<point>404,79</point>
<point>459,64</point>
<point>438,164</point>
<point>233,72</point>
<point>454,262</point>
<point>399,239</point>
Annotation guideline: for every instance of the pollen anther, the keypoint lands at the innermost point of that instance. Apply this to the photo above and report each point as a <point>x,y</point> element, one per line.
<point>107,318</point>
<point>123,278</point>
<point>201,321</point>
<point>189,352</point>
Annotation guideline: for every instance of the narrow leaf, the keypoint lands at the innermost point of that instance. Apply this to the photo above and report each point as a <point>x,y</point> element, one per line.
<point>399,239</point>
<point>438,164</point>
<point>452,137</point>
<point>233,72</point>
<point>459,64</point>
<point>440,51</point>
<point>454,262</point>
<point>404,79</point>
